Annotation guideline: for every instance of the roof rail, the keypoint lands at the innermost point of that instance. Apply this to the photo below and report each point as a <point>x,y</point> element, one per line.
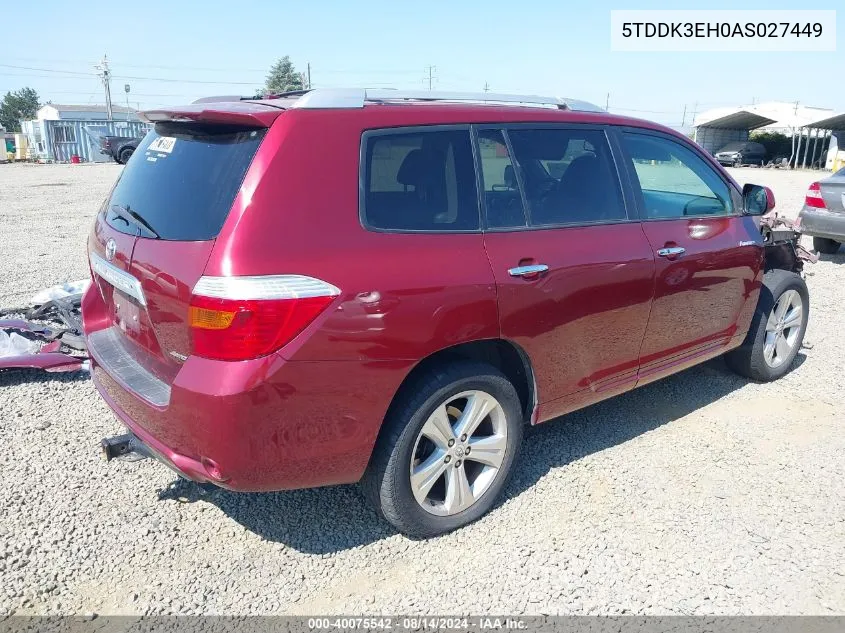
<point>357,97</point>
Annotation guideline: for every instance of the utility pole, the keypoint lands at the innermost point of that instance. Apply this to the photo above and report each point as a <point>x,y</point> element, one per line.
<point>105,76</point>
<point>486,87</point>
<point>607,103</point>
<point>308,66</point>
<point>692,122</point>
<point>126,89</point>
<point>684,116</point>
<point>431,77</point>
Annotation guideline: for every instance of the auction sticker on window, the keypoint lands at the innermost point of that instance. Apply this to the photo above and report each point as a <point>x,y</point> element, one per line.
<point>162,144</point>
<point>723,30</point>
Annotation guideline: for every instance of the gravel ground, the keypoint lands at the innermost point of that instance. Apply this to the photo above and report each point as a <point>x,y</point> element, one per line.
<point>700,494</point>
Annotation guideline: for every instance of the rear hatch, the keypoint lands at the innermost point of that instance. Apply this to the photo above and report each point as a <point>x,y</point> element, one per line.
<point>160,223</point>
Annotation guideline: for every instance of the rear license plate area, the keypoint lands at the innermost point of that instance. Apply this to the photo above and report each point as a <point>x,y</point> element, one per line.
<point>127,313</point>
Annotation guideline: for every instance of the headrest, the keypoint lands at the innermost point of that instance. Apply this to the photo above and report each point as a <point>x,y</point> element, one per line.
<point>510,176</point>
<point>418,166</point>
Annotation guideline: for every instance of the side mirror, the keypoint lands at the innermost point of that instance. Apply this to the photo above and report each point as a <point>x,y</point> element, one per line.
<point>757,200</point>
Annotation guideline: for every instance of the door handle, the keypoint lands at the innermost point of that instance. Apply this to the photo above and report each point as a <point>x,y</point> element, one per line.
<point>527,271</point>
<point>671,252</point>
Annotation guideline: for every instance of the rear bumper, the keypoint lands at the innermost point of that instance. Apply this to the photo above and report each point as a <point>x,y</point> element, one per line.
<point>822,223</point>
<point>265,424</point>
<point>182,465</point>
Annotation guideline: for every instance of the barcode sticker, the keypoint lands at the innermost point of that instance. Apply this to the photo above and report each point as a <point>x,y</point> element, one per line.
<point>162,144</point>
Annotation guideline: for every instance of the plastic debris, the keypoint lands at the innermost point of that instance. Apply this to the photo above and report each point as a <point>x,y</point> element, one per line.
<point>60,291</point>
<point>16,345</point>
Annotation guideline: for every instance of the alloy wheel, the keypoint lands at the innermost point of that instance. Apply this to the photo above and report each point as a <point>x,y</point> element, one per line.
<point>458,453</point>
<point>783,327</point>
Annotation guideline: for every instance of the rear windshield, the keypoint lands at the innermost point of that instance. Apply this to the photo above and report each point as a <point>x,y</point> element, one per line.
<point>183,179</point>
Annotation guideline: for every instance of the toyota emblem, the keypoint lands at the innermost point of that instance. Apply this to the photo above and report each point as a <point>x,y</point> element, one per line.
<point>111,249</point>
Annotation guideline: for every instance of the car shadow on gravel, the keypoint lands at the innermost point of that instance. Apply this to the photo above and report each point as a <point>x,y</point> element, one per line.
<point>336,518</point>
<point>836,258</point>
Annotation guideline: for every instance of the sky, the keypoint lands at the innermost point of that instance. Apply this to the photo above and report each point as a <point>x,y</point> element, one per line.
<point>175,52</point>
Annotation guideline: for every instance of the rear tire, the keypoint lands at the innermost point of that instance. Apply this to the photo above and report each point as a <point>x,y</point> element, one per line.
<point>777,329</point>
<point>456,483</point>
<point>125,155</point>
<point>826,245</point>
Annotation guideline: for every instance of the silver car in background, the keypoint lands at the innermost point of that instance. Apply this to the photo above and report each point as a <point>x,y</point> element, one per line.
<point>823,215</point>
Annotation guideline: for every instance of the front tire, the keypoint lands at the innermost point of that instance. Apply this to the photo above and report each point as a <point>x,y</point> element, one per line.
<point>446,450</point>
<point>777,329</point>
<point>826,245</point>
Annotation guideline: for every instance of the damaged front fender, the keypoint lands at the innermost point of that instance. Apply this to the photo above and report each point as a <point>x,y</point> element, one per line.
<point>783,249</point>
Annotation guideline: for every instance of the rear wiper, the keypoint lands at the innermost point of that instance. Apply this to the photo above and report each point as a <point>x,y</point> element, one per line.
<point>133,217</point>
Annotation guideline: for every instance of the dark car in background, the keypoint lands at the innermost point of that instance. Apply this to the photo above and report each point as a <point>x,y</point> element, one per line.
<point>741,153</point>
<point>823,215</point>
<point>120,148</point>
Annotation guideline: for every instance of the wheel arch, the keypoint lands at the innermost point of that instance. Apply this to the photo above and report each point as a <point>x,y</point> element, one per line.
<point>506,356</point>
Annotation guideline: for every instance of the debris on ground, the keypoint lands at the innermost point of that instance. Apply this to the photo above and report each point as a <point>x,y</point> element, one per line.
<point>47,333</point>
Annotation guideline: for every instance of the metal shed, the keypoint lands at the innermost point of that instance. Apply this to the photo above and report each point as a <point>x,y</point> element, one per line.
<point>59,140</point>
<point>735,125</point>
<point>823,143</point>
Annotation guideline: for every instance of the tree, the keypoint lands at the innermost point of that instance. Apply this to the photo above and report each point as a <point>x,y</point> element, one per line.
<point>21,104</point>
<point>283,77</point>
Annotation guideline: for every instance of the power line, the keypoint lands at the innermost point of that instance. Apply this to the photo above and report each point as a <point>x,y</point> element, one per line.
<point>48,70</point>
<point>186,81</point>
<point>615,109</point>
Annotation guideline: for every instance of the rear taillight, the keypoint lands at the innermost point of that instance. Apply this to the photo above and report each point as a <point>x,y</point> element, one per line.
<point>238,318</point>
<point>814,197</point>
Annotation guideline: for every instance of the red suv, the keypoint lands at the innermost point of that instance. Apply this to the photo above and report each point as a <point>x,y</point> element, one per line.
<point>335,286</point>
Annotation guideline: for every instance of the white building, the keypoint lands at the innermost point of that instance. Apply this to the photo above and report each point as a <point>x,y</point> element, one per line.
<point>60,112</point>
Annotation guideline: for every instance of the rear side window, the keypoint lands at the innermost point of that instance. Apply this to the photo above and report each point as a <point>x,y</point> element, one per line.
<point>568,176</point>
<point>420,181</point>
<point>502,197</point>
<point>183,179</point>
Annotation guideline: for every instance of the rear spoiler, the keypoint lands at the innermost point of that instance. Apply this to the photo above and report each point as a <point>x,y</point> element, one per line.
<point>246,113</point>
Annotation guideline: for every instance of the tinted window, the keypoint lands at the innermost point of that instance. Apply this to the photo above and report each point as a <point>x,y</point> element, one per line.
<point>420,181</point>
<point>568,176</point>
<point>182,180</point>
<point>674,180</point>
<point>502,198</point>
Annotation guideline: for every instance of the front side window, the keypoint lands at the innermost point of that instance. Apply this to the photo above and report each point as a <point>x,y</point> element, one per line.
<point>420,181</point>
<point>674,180</point>
<point>568,176</point>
